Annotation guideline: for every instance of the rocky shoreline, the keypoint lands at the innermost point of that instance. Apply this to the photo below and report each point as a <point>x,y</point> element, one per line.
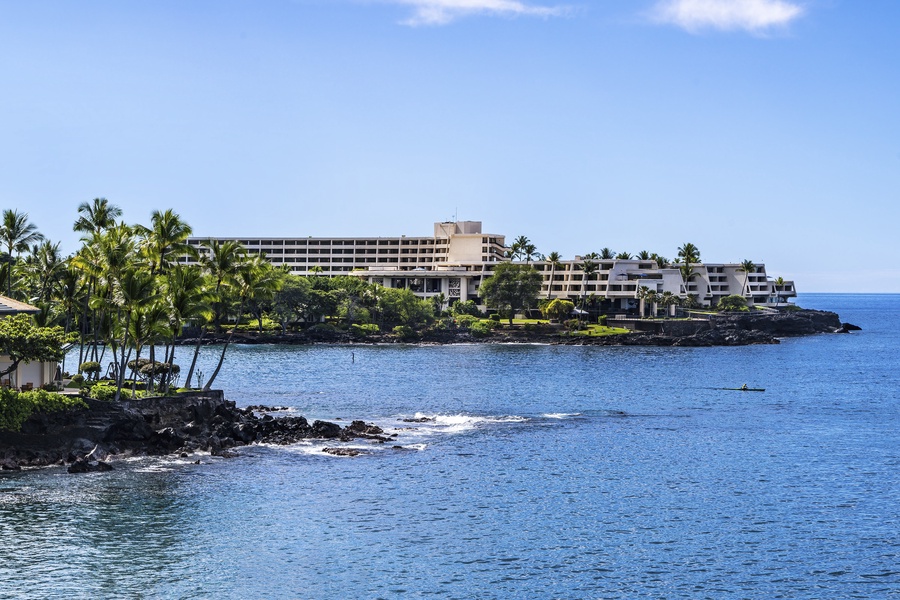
<point>722,329</point>
<point>195,422</point>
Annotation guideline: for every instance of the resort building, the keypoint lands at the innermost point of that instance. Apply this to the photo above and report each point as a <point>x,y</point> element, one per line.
<point>458,255</point>
<point>25,376</point>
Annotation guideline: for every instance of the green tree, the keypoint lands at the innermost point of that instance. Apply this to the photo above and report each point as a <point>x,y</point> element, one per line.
<point>23,341</point>
<point>96,216</point>
<point>606,254</point>
<point>623,256</point>
<point>732,302</point>
<point>555,261</point>
<point>559,309</point>
<point>511,288</point>
<point>688,254</point>
<point>291,301</point>
<point>16,234</point>
<point>403,307</point>
<point>165,241</point>
<point>588,268</point>
<point>747,267</point>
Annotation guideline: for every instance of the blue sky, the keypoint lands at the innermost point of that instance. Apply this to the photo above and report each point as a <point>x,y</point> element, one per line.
<point>760,129</point>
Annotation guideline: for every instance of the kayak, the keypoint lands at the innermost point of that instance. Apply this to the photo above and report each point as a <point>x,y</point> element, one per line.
<point>745,389</point>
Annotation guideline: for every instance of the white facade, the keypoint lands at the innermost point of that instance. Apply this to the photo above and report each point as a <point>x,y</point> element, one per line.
<point>619,281</point>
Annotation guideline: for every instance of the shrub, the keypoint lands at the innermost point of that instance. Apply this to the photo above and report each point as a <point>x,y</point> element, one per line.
<point>480,328</point>
<point>733,302</point>
<point>363,330</point>
<point>103,390</point>
<point>78,379</point>
<point>404,332</point>
<point>495,317</point>
<point>601,320</point>
<point>91,368</point>
<point>572,324</point>
<point>16,407</point>
<point>323,328</point>
<point>465,308</point>
<point>466,321</point>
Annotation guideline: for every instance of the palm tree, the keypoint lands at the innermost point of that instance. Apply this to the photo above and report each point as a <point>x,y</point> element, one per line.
<point>643,255</point>
<point>555,260</point>
<point>253,277</point>
<point>165,241</point>
<point>661,261</point>
<point>642,293</point>
<point>779,282</point>
<point>747,267</point>
<point>588,268</point>
<point>185,291</point>
<point>688,254</point>
<point>623,256</point>
<point>134,292</point>
<point>606,254</point>
<point>16,234</point>
<point>46,266</point>
<point>221,262</point>
<point>518,250</point>
<point>96,217</point>
<point>529,252</point>
<point>668,299</point>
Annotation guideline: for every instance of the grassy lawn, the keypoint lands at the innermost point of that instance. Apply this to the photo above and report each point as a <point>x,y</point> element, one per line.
<point>601,330</point>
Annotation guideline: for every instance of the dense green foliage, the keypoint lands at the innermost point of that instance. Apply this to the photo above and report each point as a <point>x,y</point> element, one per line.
<point>558,309</point>
<point>23,341</point>
<point>511,288</point>
<point>734,302</point>
<point>16,407</point>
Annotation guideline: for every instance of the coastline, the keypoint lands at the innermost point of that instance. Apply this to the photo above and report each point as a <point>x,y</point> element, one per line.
<point>722,329</point>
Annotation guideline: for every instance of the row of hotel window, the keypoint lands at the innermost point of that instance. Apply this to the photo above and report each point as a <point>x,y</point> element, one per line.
<point>354,242</point>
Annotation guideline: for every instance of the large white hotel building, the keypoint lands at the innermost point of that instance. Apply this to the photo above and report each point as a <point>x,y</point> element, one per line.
<point>458,255</point>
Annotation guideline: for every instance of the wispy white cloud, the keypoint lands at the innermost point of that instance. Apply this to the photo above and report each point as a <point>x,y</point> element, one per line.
<point>441,12</point>
<point>727,15</point>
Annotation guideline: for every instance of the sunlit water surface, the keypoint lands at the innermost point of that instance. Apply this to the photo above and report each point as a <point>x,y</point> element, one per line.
<point>549,472</point>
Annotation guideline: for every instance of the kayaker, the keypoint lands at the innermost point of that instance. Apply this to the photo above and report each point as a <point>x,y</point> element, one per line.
<point>744,388</point>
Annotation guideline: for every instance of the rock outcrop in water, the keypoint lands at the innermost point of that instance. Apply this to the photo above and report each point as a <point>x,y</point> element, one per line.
<point>200,421</point>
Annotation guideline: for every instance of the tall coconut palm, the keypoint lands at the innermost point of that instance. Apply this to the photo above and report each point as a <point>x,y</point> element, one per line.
<point>623,256</point>
<point>134,291</point>
<point>45,266</point>
<point>221,262</point>
<point>555,261</point>
<point>606,254</point>
<point>661,261</point>
<point>165,241</point>
<point>588,268</point>
<point>688,254</point>
<point>96,216</point>
<point>518,249</point>
<point>186,293</point>
<point>16,235</point>
<point>747,267</point>
<point>642,293</point>
<point>254,276</point>
<point>643,255</point>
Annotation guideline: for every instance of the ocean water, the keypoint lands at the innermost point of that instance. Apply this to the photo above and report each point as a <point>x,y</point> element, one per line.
<point>547,472</point>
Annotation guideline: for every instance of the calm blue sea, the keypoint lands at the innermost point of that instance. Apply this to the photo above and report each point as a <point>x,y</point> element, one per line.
<point>549,472</point>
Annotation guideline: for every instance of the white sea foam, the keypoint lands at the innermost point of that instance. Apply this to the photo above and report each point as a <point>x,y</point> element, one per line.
<point>457,423</point>
<point>561,415</point>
